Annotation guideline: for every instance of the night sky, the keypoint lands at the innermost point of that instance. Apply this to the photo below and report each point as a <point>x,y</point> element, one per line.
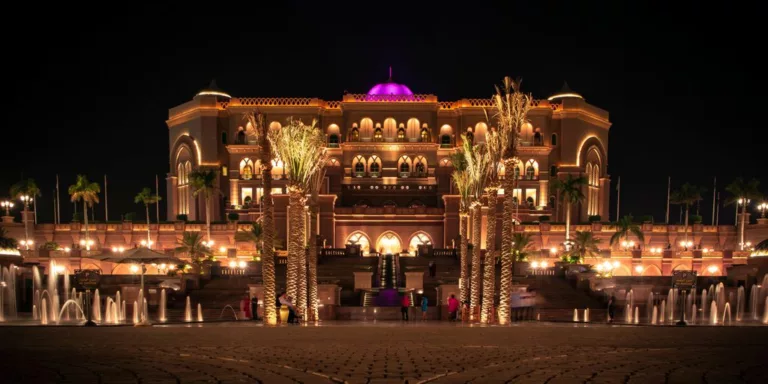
<point>90,93</point>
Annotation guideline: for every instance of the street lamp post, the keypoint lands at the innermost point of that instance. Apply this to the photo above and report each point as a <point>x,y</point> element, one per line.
<point>7,204</point>
<point>26,199</point>
<point>763,207</point>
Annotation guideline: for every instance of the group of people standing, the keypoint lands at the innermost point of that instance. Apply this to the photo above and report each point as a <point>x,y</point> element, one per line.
<point>249,306</point>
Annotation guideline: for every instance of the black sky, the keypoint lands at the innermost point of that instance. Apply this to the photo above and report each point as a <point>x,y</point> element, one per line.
<point>90,88</point>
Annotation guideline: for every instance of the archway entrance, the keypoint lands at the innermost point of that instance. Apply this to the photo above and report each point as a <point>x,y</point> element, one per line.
<point>389,243</point>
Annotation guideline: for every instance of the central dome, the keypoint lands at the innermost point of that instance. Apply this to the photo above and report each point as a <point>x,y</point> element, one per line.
<point>390,88</point>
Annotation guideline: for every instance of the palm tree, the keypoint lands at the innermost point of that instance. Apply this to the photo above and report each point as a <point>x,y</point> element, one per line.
<point>521,245</point>
<point>743,191</point>
<point>510,109</point>
<point>87,192</point>
<point>463,185</point>
<point>314,207</point>
<point>26,187</point>
<point>146,197</point>
<point>203,180</point>
<point>192,244</point>
<point>493,143</point>
<point>477,167</point>
<point>686,196</point>
<point>584,244</point>
<point>302,149</point>
<point>625,227</point>
<point>7,242</point>
<point>258,122</point>
<point>570,193</point>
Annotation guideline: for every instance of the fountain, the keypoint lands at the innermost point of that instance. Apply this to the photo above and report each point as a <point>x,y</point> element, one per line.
<point>78,309</point>
<point>135,312</point>
<point>671,304</point>
<point>122,311</point>
<point>662,307</point>
<point>765,312</point>
<point>689,300</point>
<point>653,315</point>
<point>44,312</point>
<point>162,306</point>
<point>145,312</point>
<point>586,315</point>
<point>720,295</point>
<point>630,298</point>
<point>628,314</point>
<point>740,304</point>
<point>713,313</point>
<point>649,307</point>
<point>199,312</point>
<point>108,312</point>
<point>80,304</point>
<point>188,311</point>
<point>575,313</point>
<point>96,306</point>
<point>704,303</point>
<point>36,304</point>
<point>693,314</point>
<point>55,305</point>
<point>118,303</point>
<point>753,301</point>
<point>8,292</point>
<point>727,312</point>
<point>637,315</point>
<point>35,313</point>
<point>141,300</point>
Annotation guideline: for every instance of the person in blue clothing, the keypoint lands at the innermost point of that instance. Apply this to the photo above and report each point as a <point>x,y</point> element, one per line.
<point>424,305</point>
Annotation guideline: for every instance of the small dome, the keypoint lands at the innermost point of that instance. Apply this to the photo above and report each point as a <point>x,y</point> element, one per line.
<point>390,88</point>
<point>565,92</point>
<point>761,249</point>
<point>213,90</point>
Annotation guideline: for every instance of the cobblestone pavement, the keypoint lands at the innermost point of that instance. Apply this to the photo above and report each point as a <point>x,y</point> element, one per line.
<point>384,353</point>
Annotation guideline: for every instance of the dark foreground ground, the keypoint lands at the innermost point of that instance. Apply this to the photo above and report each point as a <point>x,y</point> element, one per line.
<point>384,353</point>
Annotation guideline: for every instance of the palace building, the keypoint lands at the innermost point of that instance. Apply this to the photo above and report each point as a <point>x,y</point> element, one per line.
<point>388,181</point>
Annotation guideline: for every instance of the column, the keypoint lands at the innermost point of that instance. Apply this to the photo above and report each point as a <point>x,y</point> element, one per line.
<point>171,197</point>
<point>234,192</point>
<point>543,190</point>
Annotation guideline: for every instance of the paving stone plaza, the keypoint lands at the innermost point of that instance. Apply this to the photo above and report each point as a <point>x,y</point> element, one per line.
<point>387,352</point>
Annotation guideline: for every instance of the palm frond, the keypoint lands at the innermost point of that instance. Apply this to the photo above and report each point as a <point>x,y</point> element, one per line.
<point>85,191</point>
<point>302,150</point>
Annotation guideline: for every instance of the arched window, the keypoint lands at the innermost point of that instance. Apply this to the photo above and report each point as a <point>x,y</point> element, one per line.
<point>359,238</point>
<point>531,169</point>
<point>419,169</point>
<point>479,133</point>
<point>224,138</point>
<point>554,139</point>
<point>446,133</point>
<point>530,202</point>
<point>445,141</point>
<point>470,136</point>
<point>240,136</point>
<point>413,129</point>
<point>246,169</point>
<point>366,129</point>
<point>420,166</point>
<point>446,162</point>
<point>592,171</point>
<point>375,170</point>
<point>404,169</point>
<point>333,141</point>
<point>359,166</point>
<point>332,162</point>
<point>517,173</point>
<point>374,166</point>
<point>424,135</point>
<point>390,129</point>
<point>278,169</point>
<point>389,243</point>
<point>418,239</point>
<point>377,135</point>
<point>401,133</point>
<point>274,125</point>
<point>537,139</point>
<point>354,135</point>
<point>404,166</point>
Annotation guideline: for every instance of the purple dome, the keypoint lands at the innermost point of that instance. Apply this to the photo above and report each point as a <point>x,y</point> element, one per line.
<point>390,88</point>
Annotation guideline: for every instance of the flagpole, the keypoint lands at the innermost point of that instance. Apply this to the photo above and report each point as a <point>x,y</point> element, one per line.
<point>714,196</point>
<point>34,206</point>
<point>157,193</point>
<point>618,199</point>
<point>717,217</point>
<point>669,188</point>
<point>106,200</point>
<point>58,200</point>
<point>55,218</point>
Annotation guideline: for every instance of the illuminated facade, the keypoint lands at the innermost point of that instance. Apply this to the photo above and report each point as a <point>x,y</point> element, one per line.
<point>388,180</point>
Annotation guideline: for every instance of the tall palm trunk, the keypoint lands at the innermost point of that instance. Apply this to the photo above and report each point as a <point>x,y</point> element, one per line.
<point>567,221</point>
<point>148,235</point>
<point>489,278</point>
<point>312,268</point>
<point>743,223</point>
<point>268,238</point>
<point>208,216</point>
<point>505,292</point>
<point>463,256</point>
<point>474,295</point>
<point>686,223</point>
<point>295,241</point>
<point>301,271</point>
<point>85,218</point>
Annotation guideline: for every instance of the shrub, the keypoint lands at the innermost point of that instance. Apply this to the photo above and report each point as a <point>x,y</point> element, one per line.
<point>77,217</point>
<point>181,217</point>
<point>696,219</point>
<point>594,219</point>
<point>233,216</point>
<point>130,216</point>
<point>646,219</point>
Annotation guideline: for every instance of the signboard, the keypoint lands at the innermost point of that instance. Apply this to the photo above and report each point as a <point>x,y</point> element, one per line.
<point>88,278</point>
<point>685,280</point>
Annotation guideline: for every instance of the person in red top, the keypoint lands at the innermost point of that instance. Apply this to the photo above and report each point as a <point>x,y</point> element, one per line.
<point>453,307</point>
<point>404,304</point>
<point>245,306</point>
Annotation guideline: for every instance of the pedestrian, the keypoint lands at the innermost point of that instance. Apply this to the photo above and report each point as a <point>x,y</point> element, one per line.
<point>245,306</point>
<point>404,304</point>
<point>453,308</point>
<point>424,307</point>
<point>611,306</point>
<point>255,308</point>
<point>288,302</point>
<point>465,312</point>
<point>432,269</point>
<point>279,305</point>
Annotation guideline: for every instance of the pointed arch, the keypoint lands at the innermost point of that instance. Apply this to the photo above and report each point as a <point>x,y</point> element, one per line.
<point>366,129</point>
<point>361,238</point>
<point>390,129</point>
<point>416,239</point>
<point>389,242</point>
<point>413,129</point>
<point>652,270</point>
